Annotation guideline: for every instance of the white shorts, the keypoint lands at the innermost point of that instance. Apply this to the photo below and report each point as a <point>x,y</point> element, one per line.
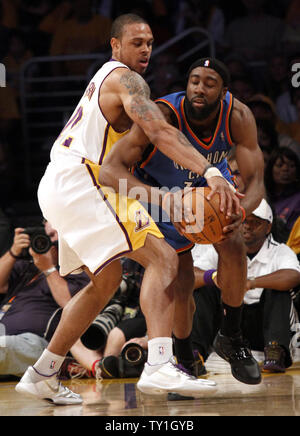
<point>94,225</point>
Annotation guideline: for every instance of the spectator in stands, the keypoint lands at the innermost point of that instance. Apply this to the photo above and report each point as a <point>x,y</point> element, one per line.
<point>294,127</point>
<point>294,238</point>
<point>291,37</point>
<point>277,76</point>
<point>268,314</point>
<point>9,13</point>
<point>34,295</point>
<point>165,74</point>
<point>283,185</point>
<point>267,138</point>
<point>55,17</point>
<point>237,66</point>
<point>84,33</point>
<point>285,107</point>
<point>9,111</point>
<point>5,233</point>
<point>18,53</point>
<point>263,108</point>
<point>256,34</point>
<point>201,13</point>
<point>242,87</point>
<point>7,179</point>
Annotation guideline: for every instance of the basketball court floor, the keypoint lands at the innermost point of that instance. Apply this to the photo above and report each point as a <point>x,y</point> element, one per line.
<point>277,395</point>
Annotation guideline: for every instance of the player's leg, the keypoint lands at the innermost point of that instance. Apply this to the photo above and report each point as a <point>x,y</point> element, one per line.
<point>40,379</point>
<point>156,296</point>
<point>160,373</point>
<point>184,312</point>
<point>231,278</point>
<point>83,308</point>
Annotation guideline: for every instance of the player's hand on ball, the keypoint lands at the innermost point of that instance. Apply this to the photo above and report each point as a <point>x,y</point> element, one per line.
<point>229,198</point>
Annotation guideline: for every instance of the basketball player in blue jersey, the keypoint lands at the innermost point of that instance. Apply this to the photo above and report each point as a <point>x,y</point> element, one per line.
<point>213,122</point>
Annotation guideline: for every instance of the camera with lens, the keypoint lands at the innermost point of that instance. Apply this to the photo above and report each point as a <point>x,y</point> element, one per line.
<point>39,240</point>
<point>96,335</point>
<point>132,360</point>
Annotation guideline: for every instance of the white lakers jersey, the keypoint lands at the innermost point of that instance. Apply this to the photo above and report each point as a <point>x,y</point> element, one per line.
<point>88,134</point>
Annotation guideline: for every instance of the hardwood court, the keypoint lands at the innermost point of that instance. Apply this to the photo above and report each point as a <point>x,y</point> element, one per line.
<point>277,395</point>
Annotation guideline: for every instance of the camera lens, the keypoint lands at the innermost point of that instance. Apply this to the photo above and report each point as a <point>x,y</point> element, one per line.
<point>41,243</point>
<point>133,354</point>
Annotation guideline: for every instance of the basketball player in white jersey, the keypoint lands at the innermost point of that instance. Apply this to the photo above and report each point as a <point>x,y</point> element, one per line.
<point>93,233</point>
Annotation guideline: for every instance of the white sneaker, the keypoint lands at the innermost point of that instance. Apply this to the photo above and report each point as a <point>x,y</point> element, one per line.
<point>170,378</point>
<point>49,389</point>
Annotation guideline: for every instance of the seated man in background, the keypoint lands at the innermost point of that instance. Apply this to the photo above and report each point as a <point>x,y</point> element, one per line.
<point>33,295</point>
<point>268,313</point>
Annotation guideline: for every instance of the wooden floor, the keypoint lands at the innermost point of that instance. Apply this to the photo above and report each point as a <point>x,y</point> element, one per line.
<point>277,395</point>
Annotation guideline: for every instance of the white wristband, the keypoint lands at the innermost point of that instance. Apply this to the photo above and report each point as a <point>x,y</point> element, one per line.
<point>214,172</point>
<point>49,271</point>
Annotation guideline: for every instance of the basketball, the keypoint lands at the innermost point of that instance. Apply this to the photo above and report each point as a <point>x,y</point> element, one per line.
<point>206,221</point>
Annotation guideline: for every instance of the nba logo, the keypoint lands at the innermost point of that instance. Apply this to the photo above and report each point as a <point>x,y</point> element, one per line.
<point>206,63</point>
<point>161,350</point>
<point>52,364</point>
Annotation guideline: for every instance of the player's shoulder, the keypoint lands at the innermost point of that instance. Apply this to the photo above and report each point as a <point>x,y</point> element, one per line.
<point>242,121</point>
<point>240,112</point>
<point>124,79</point>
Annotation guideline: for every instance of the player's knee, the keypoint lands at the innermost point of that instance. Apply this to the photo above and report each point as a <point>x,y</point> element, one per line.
<point>168,263</point>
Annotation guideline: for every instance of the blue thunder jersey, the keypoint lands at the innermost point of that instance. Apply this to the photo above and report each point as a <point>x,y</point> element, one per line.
<point>158,170</point>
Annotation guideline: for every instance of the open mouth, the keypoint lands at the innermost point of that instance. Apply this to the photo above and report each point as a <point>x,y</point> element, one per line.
<point>144,62</point>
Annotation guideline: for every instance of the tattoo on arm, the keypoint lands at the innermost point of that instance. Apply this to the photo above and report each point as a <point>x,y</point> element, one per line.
<point>141,105</point>
<point>182,139</point>
<point>135,84</point>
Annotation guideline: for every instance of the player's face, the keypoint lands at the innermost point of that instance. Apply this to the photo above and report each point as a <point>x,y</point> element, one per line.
<point>134,48</point>
<point>204,92</point>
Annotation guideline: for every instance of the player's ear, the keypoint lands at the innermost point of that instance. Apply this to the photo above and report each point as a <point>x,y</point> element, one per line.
<point>115,44</point>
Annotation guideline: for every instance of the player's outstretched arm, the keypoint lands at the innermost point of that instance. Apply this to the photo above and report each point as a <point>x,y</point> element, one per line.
<point>248,155</point>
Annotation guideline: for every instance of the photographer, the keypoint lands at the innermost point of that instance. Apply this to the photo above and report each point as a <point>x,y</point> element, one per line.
<point>34,295</point>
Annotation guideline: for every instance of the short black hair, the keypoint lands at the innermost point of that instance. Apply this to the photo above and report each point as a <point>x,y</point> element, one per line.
<point>121,21</point>
<point>214,64</point>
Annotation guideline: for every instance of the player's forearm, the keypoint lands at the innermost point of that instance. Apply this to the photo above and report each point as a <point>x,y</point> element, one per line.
<point>59,288</point>
<point>254,192</point>
<point>173,143</point>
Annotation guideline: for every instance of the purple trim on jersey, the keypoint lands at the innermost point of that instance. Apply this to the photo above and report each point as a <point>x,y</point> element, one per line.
<point>116,256</point>
<point>109,206</point>
<point>104,144</point>
<point>102,84</point>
